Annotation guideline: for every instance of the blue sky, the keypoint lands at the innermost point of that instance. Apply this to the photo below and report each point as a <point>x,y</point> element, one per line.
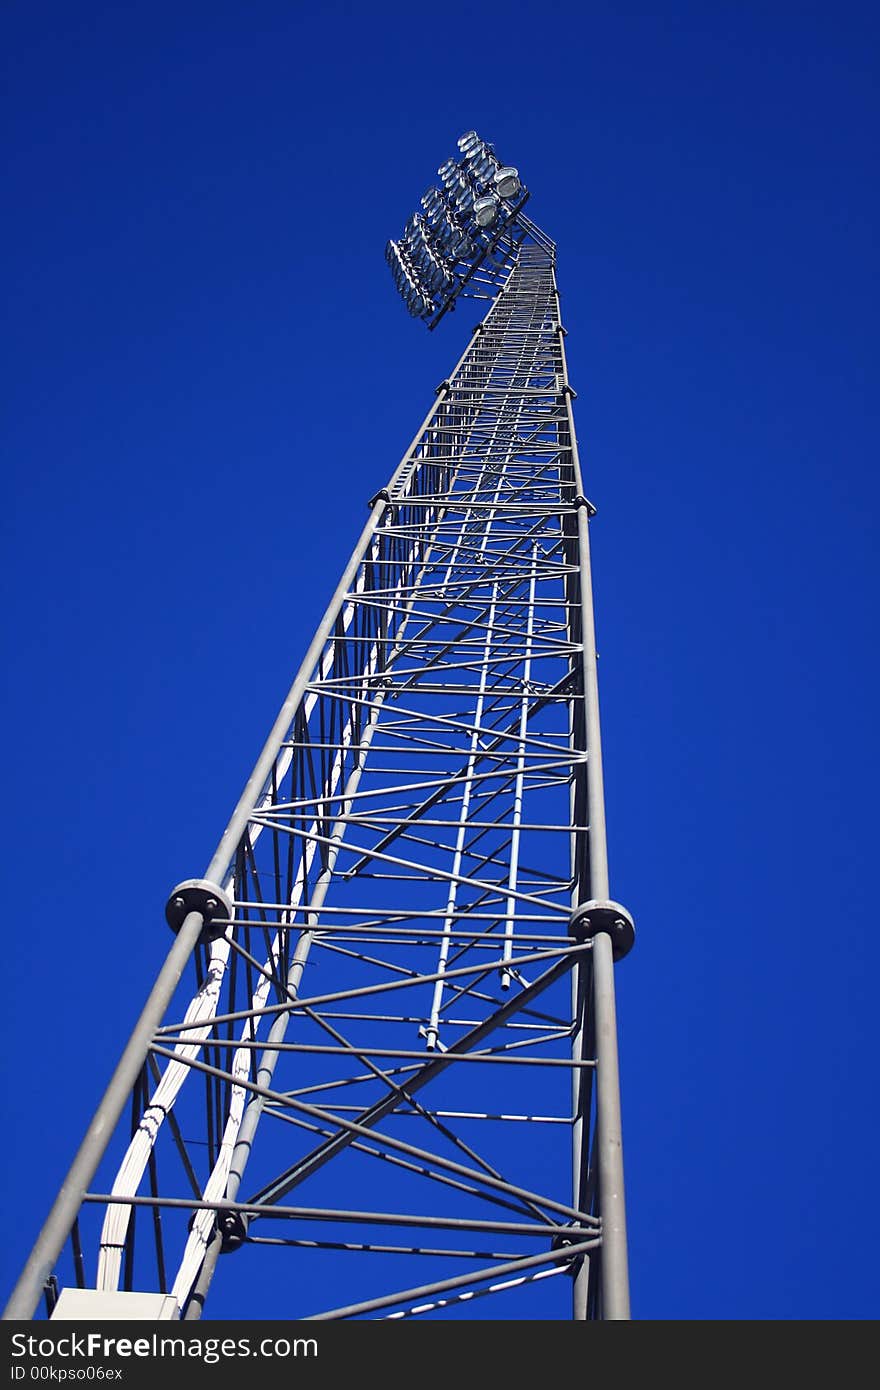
<point>209,373</point>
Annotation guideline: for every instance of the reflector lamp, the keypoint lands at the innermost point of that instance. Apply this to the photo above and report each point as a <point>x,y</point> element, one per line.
<point>506,181</point>
<point>485,210</point>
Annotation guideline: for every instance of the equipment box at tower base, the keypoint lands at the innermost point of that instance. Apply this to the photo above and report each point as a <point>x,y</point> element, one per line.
<point>94,1305</point>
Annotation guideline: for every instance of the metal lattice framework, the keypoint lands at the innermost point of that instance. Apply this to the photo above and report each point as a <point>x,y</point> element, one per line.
<point>401,1044</point>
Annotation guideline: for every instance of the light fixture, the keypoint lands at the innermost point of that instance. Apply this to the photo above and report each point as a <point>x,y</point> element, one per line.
<point>471,222</point>
<point>433,205</point>
<point>408,281</point>
<point>485,210</point>
<point>461,194</point>
<point>481,170</point>
<point>506,181</point>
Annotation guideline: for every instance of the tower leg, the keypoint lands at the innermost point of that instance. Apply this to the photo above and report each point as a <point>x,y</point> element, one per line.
<point>615,1275</point>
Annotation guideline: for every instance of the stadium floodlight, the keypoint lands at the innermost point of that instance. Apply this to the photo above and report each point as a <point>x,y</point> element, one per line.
<point>412,223</point>
<point>416,299</point>
<point>417,254</point>
<point>419,304</point>
<point>400,267</point>
<point>453,240</point>
<point>485,210</point>
<point>414,233</point>
<point>482,175</point>
<point>506,181</point>
<point>433,274</point>
<point>433,206</point>
<point>474,150</point>
<point>426,254</point>
<point>440,228</point>
<point>478,159</point>
<point>445,233</point>
<point>394,259</point>
<point>408,281</point>
<point>461,194</point>
<point>465,234</point>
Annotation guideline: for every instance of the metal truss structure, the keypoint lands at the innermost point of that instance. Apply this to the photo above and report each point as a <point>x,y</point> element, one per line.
<point>385,1033</point>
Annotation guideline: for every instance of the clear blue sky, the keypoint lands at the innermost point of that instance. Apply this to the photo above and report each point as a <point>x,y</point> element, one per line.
<point>208,373</point>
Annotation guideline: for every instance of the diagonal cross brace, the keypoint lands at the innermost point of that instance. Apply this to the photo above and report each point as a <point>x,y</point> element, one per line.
<point>275,1191</point>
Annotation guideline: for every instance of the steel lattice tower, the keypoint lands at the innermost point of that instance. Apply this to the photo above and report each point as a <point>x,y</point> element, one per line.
<point>386,1025</point>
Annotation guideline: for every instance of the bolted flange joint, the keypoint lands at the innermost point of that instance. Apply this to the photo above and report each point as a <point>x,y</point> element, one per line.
<point>580,501</point>
<point>383,495</point>
<point>568,390</point>
<point>603,915</point>
<point>199,895</point>
<point>560,1244</point>
<point>233,1228</point>
<point>444,386</point>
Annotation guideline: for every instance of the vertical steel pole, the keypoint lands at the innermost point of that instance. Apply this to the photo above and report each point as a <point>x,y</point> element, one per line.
<point>609,1141</point>
<point>581,1100</point>
<point>597,844</point>
<point>614,1261</point>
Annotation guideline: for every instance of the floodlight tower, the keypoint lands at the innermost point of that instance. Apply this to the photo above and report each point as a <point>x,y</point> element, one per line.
<point>403,948</point>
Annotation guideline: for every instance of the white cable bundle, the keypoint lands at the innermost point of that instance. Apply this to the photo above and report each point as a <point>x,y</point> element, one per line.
<point>215,1188</point>
<point>201,1010</point>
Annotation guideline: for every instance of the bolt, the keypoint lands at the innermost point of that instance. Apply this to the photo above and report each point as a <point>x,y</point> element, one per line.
<point>211,904</point>
<point>178,902</point>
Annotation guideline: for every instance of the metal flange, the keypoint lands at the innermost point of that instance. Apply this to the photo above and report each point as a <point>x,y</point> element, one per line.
<point>233,1228</point>
<point>580,501</point>
<point>560,1244</point>
<point>603,915</point>
<point>199,895</point>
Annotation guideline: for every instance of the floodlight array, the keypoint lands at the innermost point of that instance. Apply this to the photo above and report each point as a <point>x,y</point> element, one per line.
<point>466,225</point>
